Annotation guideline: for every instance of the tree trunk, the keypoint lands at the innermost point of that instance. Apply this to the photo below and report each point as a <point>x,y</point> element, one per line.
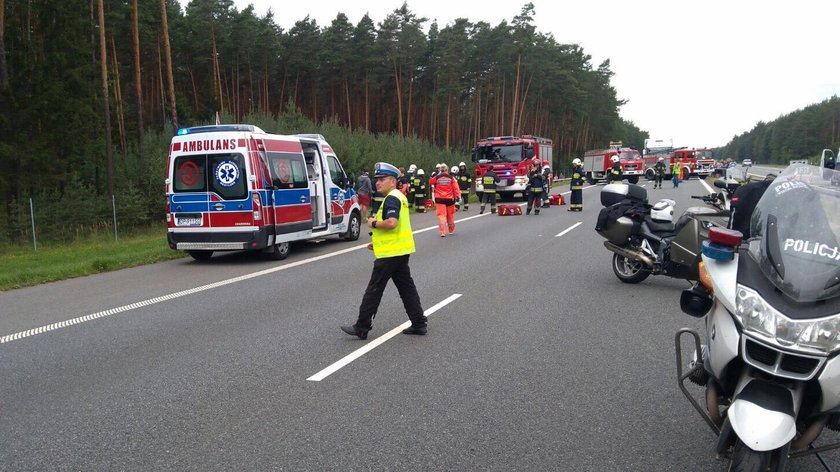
<point>397,79</point>
<point>168,55</point>
<point>4,73</point>
<point>515,99</point>
<point>119,103</point>
<point>103,61</point>
<point>138,86</point>
<point>347,97</point>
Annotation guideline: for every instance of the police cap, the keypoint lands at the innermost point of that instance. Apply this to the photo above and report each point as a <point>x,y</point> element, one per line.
<point>383,169</point>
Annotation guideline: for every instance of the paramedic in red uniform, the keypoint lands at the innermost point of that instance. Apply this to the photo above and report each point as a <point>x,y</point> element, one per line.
<point>392,243</point>
<point>447,193</point>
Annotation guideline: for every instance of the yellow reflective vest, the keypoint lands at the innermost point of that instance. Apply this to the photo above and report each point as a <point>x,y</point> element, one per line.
<point>398,241</point>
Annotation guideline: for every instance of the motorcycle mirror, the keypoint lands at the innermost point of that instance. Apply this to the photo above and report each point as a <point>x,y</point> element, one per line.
<point>696,301</point>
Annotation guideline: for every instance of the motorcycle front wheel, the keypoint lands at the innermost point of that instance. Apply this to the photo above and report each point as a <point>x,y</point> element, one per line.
<point>745,459</point>
<point>628,270</point>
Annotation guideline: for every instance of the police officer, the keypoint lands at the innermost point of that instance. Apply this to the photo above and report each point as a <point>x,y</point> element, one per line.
<point>464,183</point>
<point>659,171</point>
<point>576,185</point>
<point>615,171</point>
<point>420,190</point>
<point>489,181</point>
<point>392,244</point>
<point>535,190</point>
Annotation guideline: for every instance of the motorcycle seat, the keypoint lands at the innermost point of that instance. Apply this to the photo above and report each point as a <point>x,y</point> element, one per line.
<point>659,227</point>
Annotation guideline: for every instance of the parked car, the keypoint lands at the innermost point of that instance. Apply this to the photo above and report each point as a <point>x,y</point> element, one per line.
<point>746,163</point>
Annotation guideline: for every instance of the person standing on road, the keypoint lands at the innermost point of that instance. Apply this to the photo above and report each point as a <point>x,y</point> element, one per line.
<point>675,172</point>
<point>464,183</point>
<point>489,181</point>
<point>659,171</point>
<point>392,243</point>
<point>535,192</point>
<point>412,169</point>
<point>547,177</point>
<point>446,194</point>
<point>614,174</point>
<point>420,191</point>
<point>364,189</point>
<point>576,186</point>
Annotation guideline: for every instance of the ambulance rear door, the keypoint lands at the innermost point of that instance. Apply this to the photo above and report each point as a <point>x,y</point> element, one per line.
<point>189,202</point>
<point>291,201</point>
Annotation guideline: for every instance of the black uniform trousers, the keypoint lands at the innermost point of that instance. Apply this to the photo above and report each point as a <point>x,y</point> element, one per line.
<point>576,199</point>
<point>658,182</point>
<point>534,200</point>
<point>385,269</point>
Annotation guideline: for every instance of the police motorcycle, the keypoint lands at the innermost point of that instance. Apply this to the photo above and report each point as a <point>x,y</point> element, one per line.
<point>770,359</point>
<point>645,240</point>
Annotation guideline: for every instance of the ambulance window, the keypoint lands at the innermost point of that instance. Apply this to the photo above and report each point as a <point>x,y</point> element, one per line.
<point>287,170</point>
<point>227,176</point>
<point>188,174</point>
<point>336,172</point>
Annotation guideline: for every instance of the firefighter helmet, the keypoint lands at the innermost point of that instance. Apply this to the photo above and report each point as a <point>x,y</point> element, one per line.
<point>462,164</point>
<point>454,169</point>
<point>615,159</point>
<point>420,172</point>
<point>576,161</point>
<point>661,159</point>
<point>412,168</point>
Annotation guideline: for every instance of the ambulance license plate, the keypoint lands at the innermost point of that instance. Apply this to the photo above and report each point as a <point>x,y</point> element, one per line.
<point>188,221</point>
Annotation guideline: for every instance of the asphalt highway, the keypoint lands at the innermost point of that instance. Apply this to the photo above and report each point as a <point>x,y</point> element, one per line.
<point>537,358</point>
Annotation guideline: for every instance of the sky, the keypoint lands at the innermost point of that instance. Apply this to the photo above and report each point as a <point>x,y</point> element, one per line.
<point>697,72</point>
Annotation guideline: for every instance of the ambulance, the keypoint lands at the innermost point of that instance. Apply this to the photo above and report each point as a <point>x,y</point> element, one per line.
<point>235,187</point>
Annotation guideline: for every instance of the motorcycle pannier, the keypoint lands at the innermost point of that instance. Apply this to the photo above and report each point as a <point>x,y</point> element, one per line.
<point>614,193</point>
<point>618,231</point>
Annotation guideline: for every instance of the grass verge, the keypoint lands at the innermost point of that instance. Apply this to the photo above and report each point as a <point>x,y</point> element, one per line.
<point>22,266</point>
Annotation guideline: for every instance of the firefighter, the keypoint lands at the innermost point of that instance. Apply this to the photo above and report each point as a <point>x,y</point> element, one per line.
<point>675,172</point>
<point>659,170</point>
<point>535,190</point>
<point>576,199</point>
<point>464,183</point>
<point>489,181</point>
<point>615,171</point>
<point>446,194</point>
<point>546,171</point>
<point>402,182</point>
<point>420,191</point>
<point>412,169</point>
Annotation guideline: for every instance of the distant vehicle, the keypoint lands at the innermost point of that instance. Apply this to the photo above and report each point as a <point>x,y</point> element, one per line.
<point>597,163</point>
<point>510,158</point>
<point>746,163</point>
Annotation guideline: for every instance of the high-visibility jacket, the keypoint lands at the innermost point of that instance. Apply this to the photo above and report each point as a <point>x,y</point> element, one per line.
<point>577,178</point>
<point>464,182</point>
<point>394,242</point>
<point>419,186</point>
<point>675,169</point>
<point>446,188</point>
<point>489,181</point>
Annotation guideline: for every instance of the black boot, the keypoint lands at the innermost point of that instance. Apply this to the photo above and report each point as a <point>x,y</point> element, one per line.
<point>415,329</point>
<point>354,331</point>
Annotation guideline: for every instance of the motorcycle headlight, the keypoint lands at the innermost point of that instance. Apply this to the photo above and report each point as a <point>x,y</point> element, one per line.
<point>759,318</point>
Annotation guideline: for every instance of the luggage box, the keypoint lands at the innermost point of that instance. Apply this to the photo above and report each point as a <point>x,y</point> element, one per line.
<point>614,193</point>
<point>509,210</point>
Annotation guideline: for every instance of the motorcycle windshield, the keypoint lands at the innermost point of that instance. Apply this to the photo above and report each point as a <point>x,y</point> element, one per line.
<point>796,233</point>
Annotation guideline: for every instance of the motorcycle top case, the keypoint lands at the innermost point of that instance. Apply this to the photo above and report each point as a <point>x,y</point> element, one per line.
<point>614,193</point>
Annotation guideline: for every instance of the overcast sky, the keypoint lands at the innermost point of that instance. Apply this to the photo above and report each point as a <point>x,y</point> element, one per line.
<point>699,72</point>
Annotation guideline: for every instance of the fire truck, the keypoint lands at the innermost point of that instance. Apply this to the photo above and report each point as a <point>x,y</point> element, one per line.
<point>656,148</point>
<point>597,163</point>
<point>705,162</point>
<point>235,187</point>
<point>511,158</point>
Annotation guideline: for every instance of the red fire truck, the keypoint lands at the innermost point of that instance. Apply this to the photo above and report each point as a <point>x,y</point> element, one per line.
<point>705,162</point>
<point>511,158</point>
<point>656,148</point>
<point>596,163</point>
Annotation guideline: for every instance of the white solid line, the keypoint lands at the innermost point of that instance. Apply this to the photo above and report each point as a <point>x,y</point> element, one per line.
<point>376,342</point>
<point>569,229</point>
<point>707,186</point>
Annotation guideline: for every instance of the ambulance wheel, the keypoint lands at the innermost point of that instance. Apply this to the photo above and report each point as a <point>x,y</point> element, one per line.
<point>201,255</point>
<point>354,227</point>
<point>628,270</point>
<point>279,251</point>
<point>634,179</point>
